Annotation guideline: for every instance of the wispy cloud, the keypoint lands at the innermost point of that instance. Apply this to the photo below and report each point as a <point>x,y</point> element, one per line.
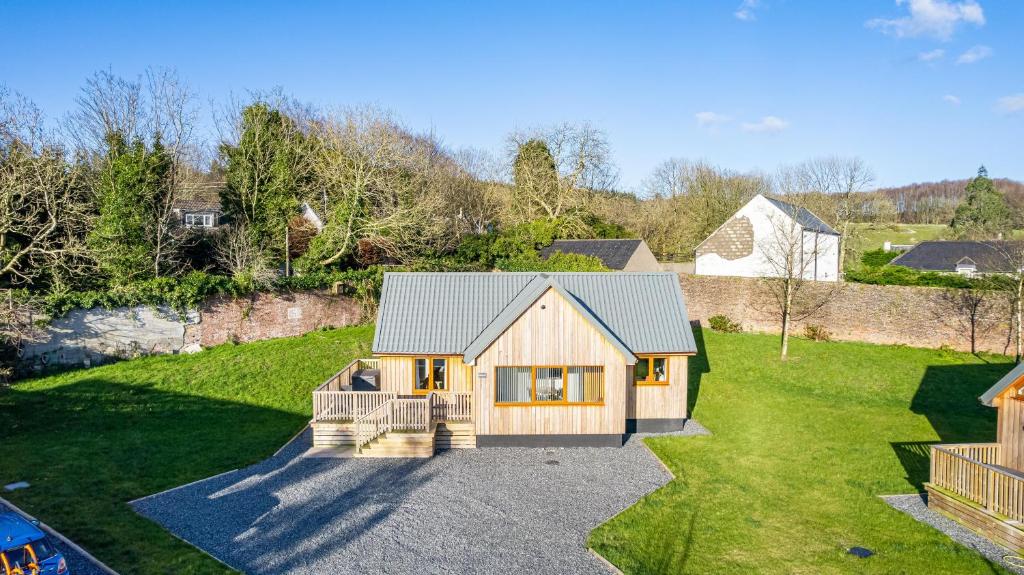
<point>767,125</point>
<point>951,99</point>
<point>1011,104</point>
<point>931,55</point>
<point>974,54</point>
<point>747,10</point>
<point>935,18</point>
<point>711,120</point>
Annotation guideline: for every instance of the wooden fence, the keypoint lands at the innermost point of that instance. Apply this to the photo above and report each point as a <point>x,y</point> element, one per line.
<point>971,471</point>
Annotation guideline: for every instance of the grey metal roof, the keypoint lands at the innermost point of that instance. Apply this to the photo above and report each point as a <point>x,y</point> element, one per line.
<point>943,256</point>
<point>803,216</point>
<point>445,313</point>
<point>614,254</point>
<point>1001,385</point>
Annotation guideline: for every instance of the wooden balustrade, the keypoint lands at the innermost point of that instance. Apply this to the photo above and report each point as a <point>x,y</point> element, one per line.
<point>971,471</point>
<point>454,406</point>
<point>347,405</point>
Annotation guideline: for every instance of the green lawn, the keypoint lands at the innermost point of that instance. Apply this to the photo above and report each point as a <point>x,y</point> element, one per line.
<point>790,478</point>
<point>800,453</point>
<point>89,441</point>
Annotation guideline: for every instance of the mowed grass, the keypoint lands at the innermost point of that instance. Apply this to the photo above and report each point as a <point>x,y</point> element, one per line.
<point>801,452</point>
<point>790,479</point>
<point>90,441</point>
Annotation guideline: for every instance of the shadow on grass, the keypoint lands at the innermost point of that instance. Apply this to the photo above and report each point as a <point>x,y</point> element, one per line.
<point>89,446</point>
<point>948,398</point>
<point>697,366</point>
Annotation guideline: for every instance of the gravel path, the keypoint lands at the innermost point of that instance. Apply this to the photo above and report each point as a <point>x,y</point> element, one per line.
<point>916,506</point>
<point>498,510</point>
<point>77,564</point>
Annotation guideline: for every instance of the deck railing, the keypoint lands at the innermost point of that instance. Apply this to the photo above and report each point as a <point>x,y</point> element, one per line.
<point>454,406</point>
<point>410,415</point>
<point>972,471</point>
<point>331,403</point>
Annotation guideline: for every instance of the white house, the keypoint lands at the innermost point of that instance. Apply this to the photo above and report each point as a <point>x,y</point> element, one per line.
<point>767,237</point>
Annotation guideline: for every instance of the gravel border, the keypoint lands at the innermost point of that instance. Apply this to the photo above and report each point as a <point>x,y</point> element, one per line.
<point>78,563</point>
<point>462,511</point>
<point>916,506</point>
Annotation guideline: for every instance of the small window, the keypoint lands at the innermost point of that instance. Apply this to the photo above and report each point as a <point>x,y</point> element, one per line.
<point>199,220</point>
<point>651,370</point>
<point>430,374</point>
<point>550,384</point>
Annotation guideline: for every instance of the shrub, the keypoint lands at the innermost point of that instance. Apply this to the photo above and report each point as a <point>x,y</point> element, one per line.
<point>724,324</point>
<point>877,258</point>
<point>817,333</point>
<point>556,262</point>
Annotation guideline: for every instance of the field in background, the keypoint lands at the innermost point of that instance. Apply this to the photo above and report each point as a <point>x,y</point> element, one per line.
<point>867,237</point>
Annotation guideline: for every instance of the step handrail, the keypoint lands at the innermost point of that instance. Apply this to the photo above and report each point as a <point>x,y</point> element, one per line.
<point>380,418</point>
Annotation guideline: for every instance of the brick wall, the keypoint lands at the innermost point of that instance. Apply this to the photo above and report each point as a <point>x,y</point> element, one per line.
<point>915,316</point>
<point>267,316</point>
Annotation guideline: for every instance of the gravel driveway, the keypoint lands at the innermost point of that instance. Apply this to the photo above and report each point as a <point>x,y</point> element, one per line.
<point>504,510</point>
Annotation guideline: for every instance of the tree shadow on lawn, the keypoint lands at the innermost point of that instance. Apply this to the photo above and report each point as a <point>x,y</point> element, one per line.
<point>697,366</point>
<point>948,398</point>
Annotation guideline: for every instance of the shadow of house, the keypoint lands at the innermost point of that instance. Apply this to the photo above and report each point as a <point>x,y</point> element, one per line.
<point>697,366</point>
<point>948,398</point>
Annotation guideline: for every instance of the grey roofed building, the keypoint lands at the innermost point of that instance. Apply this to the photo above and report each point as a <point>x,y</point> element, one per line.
<point>946,256</point>
<point>1004,382</point>
<point>615,254</point>
<point>455,313</point>
<point>804,217</point>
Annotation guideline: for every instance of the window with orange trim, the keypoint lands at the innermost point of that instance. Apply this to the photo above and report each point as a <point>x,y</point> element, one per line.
<point>549,385</point>
<point>429,374</point>
<point>651,370</point>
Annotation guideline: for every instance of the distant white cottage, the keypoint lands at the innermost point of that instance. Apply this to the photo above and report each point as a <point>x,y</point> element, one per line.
<point>750,242</point>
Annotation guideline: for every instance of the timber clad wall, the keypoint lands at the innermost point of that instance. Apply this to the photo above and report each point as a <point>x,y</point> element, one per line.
<point>1010,433</point>
<point>660,401</point>
<point>551,332</point>
<point>915,316</point>
<point>396,373</point>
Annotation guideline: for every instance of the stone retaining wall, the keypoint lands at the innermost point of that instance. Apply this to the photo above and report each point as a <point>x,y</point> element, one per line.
<point>915,316</point>
<point>91,337</point>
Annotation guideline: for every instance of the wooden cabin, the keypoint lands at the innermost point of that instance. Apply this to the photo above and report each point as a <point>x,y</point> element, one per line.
<point>514,359</point>
<point>982,484</point>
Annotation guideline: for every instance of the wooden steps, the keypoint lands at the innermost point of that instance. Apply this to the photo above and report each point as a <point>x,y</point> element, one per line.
<point>333,434</point>
<point>455,435</point>
<point>400,444</point>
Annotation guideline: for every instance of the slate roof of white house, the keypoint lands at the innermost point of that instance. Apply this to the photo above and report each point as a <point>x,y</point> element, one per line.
<point>613,253</point>
<point>804,217</point>
<point>462,313</point>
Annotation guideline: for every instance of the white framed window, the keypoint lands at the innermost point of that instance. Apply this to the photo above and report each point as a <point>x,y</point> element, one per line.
<point>199,220</point>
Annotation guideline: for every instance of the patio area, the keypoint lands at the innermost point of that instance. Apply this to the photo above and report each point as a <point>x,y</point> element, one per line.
<point>477,510</point>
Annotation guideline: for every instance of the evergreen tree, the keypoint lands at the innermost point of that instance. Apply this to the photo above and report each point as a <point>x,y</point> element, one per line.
<point>265,172</point>
<point>983,213</point>
<point>535,180</point>
<point>132,186</point>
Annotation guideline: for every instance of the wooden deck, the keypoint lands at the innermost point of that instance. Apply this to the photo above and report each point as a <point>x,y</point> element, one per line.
<point>383,424</point>
<point>970,484</point>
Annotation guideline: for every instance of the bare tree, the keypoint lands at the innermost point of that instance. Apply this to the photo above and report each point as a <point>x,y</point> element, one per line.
<point>237,253</point>
<point>381,185</point>
<point>581,158</point>
<point>835,177</point>
<point>971,309</point>
<point>790,256</point>
<point>42,212</point>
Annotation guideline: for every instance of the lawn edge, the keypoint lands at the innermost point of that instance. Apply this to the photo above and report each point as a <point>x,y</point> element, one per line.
<point>672,477</point>
<point>76,547</point>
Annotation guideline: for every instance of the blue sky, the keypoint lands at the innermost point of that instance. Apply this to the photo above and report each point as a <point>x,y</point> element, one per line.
<point>921,89</point>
